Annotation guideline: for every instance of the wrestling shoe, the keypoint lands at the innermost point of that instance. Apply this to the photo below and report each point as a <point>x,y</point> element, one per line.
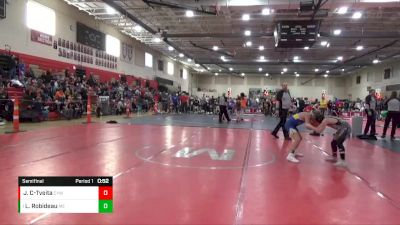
<point>340,163</point>
<point>291,158</point>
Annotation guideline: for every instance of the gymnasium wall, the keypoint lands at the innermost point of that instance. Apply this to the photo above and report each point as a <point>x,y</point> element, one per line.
<point>299,87</point>
<point>15,33</point>
<point>372,77</point>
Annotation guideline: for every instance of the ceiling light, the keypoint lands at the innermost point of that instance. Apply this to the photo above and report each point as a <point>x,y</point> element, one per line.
<point>261,47</point>
<point>325,75</point>
<point>248,43</point>
<point>296,58</point>
<point>328,45</point>
<point>189,13</point>
<point>266,74</point>
<point>327,71</point>
<point>247,33</point>
<point>324,43</point>
<point>262,57</point>
<point>306,48</point>
<point>342,70</point>
<point>281,72</point>
<point>357,15</point>
<point>375,61</point>
<point>297,75</point>
<point>110,10</point>
<point>216,74</point>
<point>295,72</point>
<point>138,28</point>
<point>266,11</point>
<point>197,65</point>
<point>242,74</point>
<point>316,70</point>
<point>208,68</point>
<point>170,48</point>
<point>246,17</point>
<point>342,10</point>
<point>189,60</point>
<point>360,47</point>
<point>215,48</point>
<point>219,70</point>
<point>223,58</point>
<point>284,69</point>
<point>231,69</point>
<point>181,55</point>
<point>337,32</point>
<point>157,40</point>
<point>340,58</point>
<point>260,69</point>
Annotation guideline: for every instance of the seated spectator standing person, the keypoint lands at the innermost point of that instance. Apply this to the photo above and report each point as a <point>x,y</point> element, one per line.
<point>370,109</point>
<point>175,99</point>
<point>393,107</point>
<point>284,102</point>
<point>59,98</point>
<point>323,104</point>
<point>184,102</point>
<point>3,105</point>
<point>302,104</point>
<point>222,108</point>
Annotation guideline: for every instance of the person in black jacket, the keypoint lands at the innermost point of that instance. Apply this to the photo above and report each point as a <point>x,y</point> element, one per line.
<point>284,102</point>
<point>370,109</point>
<point>393,107</point>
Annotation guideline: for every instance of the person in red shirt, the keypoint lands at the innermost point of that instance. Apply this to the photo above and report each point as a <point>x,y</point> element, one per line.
<point>184,102</point>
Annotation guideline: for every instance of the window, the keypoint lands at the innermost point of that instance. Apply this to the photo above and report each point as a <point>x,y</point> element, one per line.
<point>148,60</point>
<point>386,74</point>
<point>113,46</point>
<point>358,79</point>
<point>40,18</point>
<point>184,74</point>
<point>170,68</point>
<point>160,64</point>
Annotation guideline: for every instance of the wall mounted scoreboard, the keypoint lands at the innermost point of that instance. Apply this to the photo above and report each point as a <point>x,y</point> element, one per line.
<point>296,34</point>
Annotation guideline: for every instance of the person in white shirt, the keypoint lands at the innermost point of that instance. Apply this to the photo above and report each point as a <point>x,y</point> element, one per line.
<point>393,107</point>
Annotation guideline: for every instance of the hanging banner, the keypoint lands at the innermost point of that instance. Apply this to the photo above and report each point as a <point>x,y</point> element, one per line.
<point>126,53</point>
<point>41,38</point>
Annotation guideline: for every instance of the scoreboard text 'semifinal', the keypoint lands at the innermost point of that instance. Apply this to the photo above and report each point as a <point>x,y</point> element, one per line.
<point>65,195</point>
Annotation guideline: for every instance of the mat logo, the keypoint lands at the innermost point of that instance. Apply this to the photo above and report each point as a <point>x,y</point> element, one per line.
<point>187,152</point>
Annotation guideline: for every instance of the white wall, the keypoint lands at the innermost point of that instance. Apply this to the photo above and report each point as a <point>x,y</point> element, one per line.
<point>372,77</point>
<point>334,87</point>
<point>15,33</point>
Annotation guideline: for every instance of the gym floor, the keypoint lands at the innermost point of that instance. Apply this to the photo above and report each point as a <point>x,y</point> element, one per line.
<point>242,177</point>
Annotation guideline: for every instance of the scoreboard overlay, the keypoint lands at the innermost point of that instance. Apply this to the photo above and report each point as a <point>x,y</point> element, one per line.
<point>65,195</point>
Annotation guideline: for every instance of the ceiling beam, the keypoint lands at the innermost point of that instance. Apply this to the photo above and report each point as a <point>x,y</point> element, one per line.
<point>278,63</point>
<point>121,10</point>
<point>217,35</point>
<point>346,63</point>
<point>178,6</point>
<point>211,50</point>
<point>377,36</point>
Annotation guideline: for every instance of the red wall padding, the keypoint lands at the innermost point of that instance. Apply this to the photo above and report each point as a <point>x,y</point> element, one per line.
<point>57,66</point>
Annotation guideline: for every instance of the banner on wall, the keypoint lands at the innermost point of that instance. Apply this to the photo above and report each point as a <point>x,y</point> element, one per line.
<point>126,53</point>
<point>41,38</point>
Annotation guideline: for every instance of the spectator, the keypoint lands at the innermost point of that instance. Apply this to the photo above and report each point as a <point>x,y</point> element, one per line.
<point>284,102</point>
<point>393,107</point>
